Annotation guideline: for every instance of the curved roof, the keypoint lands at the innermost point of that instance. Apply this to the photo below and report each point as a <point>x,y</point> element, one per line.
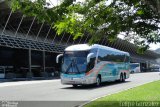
<point>49,37</point>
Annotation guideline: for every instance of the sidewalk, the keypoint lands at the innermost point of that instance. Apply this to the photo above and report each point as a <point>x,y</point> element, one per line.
<point>27,79</point>
<point>24,81</point>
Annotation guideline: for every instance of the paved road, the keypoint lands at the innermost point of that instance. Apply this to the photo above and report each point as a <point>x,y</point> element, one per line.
<point>65,95</point>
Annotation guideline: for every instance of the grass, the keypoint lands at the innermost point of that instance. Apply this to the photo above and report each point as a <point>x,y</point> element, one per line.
<point>145,93</point>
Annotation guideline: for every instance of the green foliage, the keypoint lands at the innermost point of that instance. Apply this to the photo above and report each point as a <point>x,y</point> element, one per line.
<point>96,18</point>
<point>142,49</point>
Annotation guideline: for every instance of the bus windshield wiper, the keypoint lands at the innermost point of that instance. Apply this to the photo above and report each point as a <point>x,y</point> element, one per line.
<point>72,64</point>
<point>76,66</point>
<point>69,67</point>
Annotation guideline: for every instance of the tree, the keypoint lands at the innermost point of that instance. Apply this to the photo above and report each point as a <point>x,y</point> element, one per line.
<point>138,20</point>
<point>154,4</point>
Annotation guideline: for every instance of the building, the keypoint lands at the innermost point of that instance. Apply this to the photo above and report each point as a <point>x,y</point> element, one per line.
<point>29,48</point>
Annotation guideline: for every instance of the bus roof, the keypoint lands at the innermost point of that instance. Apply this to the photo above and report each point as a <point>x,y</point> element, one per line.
<point>78,47</point>
<point>83,47</point>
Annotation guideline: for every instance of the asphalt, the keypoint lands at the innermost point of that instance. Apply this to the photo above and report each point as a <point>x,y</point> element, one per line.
<point>51,93</point>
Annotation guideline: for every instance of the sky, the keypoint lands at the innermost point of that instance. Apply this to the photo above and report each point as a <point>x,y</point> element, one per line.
<point>152,46</point>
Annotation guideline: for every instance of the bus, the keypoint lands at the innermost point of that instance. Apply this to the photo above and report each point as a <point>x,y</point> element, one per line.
<point>135,67</point>
<point>85,64</point>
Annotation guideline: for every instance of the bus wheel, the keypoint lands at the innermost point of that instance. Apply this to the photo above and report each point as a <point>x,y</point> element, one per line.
<point>121,78</point>
<point>74,85</point>
<point>124,77</point>
<point>98,81</point>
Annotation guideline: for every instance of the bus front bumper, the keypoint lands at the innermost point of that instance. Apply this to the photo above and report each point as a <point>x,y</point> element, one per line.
<point>78,81</point>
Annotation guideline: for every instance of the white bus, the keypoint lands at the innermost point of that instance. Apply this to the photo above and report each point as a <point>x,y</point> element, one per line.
<point>135,67</point>
<point>83,64</point>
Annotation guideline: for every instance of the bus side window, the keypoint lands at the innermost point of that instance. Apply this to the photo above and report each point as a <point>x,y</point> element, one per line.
<point>103,55</point>
<point>92,60</point>
<point>91,64</point>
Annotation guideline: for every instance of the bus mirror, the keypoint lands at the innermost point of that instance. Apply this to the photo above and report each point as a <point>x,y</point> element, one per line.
<point>89,57</point>
<point>58,57</point>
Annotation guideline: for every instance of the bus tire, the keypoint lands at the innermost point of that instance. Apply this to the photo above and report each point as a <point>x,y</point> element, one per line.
<point>124,77</point>
<point>98,81</point>
<point>121,78</point>
<point>74,85</point>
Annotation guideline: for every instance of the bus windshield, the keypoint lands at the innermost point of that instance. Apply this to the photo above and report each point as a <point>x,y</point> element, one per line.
<point>75,62</point>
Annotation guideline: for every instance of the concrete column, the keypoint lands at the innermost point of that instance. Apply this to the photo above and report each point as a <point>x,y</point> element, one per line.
<point>30,62</point>
<point>44,60</point>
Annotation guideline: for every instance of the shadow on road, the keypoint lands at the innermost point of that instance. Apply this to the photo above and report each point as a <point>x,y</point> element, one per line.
<point>91,87</point>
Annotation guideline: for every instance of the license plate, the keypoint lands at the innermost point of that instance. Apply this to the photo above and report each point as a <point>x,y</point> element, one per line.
<point>72,81</point>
